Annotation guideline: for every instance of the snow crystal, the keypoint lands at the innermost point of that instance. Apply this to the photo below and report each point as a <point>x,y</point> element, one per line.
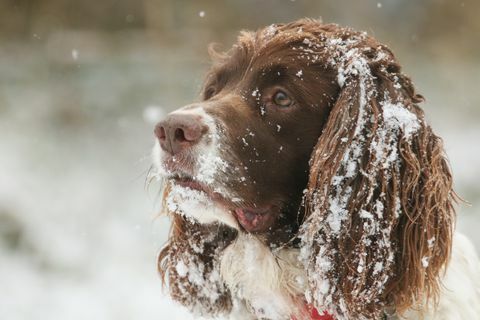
<point>75,54</point>
<point>398,207</point>
<point>398,116</point>
<point>255,92</point>
<point>431,242</point>
<point>378,267</point>
<point>341,77</point>
<point>270,31</point>
<point>184,200</point>
<point>181,269</point>
<point>366,215</point>
<point>425,261</point>
<point>322,262</point>
<point>208,165</point>
<point>196,206</point>
<point>381,56</point>
<point>338,211</point>
<point>360,268</point>
<point>324,287</point>
<point>153,114</point>
<point>263,111</point>
<point>379,208</point>
<point>351,169</point>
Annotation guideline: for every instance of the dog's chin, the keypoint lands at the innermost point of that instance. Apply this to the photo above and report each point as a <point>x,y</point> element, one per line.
<point>255,220</point>
<point>197,203</point>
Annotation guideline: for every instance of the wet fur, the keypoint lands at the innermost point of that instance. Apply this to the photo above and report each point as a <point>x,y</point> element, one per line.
<point>422,182</point>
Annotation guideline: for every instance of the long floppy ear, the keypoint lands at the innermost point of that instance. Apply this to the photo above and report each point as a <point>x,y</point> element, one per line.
<point>379,214</point>
<point>189,265</point>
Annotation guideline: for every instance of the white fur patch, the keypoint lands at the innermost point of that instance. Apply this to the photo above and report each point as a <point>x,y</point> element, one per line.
<point>460,293</point>
<point>270,283</point>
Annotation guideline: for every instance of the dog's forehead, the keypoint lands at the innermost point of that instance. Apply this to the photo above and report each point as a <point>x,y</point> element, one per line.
<point>262,59</point>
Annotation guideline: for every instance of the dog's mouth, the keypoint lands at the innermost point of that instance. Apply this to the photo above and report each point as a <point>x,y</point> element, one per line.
<point>255,219</point>
<point>251,219</point>
<point>187,181</point>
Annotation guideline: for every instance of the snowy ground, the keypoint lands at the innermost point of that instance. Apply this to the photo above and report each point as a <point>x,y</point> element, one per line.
<point>78,233</point>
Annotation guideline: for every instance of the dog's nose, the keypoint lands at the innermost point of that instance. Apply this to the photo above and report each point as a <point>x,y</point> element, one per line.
<point>179,132</point>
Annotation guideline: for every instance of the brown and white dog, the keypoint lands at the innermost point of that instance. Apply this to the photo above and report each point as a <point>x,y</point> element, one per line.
<point>307,177</point>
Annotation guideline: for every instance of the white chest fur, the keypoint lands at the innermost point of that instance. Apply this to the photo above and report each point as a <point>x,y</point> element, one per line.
<point>460,295</point>
<point>270,283</point>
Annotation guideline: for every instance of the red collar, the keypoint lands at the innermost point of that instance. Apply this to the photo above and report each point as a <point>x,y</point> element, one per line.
<point>314,315</point>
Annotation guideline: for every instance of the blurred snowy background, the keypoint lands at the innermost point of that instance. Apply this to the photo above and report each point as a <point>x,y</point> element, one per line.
<point>82,84</point>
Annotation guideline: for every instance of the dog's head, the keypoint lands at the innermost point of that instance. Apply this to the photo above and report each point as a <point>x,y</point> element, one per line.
<point>247,143</point>
<point>309,131</point>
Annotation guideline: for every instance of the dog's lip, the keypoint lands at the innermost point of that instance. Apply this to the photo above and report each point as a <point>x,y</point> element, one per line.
<point>187,181</point>
<point>255,219</point>
<point>251,219</point>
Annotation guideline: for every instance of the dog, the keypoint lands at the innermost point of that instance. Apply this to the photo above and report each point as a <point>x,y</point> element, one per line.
<point>307,184</point>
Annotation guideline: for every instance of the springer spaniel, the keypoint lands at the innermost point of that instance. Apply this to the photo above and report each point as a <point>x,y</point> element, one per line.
<point>306,184</point>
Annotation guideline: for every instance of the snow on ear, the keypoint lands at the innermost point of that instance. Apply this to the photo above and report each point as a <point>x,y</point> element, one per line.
<point>378,205</point>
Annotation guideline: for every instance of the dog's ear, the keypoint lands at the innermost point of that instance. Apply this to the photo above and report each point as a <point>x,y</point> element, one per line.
<point>378,206</point>
<point>189,265</point>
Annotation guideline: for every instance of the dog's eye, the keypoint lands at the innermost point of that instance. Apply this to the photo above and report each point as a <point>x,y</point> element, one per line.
<point>281,99</point>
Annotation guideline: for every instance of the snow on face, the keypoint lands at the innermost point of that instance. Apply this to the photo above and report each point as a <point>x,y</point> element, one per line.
<point>208,168</point>
<point>197,206</point>
<point>206,154</point>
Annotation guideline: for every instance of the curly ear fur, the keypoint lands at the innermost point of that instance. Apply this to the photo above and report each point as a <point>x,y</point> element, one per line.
<point>379,202</point>
<point>189,264</point>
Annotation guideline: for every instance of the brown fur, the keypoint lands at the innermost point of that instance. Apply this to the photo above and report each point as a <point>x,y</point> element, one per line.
<point>194,245</point>
<point>421,179</point>
<point>423,183</point>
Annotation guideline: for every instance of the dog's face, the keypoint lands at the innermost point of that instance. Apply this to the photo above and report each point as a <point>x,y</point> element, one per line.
<point>246,145</point>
